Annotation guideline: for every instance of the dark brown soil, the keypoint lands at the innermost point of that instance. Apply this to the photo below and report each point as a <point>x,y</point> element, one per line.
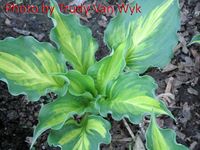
<point>18,116</point>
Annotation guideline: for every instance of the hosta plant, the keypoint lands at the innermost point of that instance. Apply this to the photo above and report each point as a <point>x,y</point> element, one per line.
<point>92,90</point>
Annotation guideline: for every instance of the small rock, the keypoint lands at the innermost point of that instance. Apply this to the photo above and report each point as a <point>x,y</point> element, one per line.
<point>12,115</point>
<point>29,140</point>
<point>8,22</point>
<point>29,124</point>
<point>104,18</point>
<point>43,147</point>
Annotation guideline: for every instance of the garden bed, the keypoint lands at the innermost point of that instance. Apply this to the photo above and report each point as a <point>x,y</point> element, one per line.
<point>181,78</point>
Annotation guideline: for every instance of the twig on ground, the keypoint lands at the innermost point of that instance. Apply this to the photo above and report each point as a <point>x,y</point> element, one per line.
<point>169,85</point>
<point>142,129</point>
<point>26,33</point>
<point>167,96</point>
<point>82,18</point>
<point>123,140</point>
<point>170,95</point>
<point>175,107</point>
<point>129,129</point>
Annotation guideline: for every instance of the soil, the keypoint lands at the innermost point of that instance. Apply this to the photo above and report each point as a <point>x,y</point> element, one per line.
<point>180,78</point>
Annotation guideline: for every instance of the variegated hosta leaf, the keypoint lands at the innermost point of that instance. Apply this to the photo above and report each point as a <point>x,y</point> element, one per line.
<point>54,115</point>
<point>161,139</point>
<point>150,35</point>
<point>195,39</point>
<point>30,66</point>
<point>81,84</point>
<point>73,39</point>
<point>87,135</point>
<point>131,96</point>
<point>108,68</point>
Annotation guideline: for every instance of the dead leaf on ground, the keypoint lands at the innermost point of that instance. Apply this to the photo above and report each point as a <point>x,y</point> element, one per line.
<point>184,43</point>
<point>170,67</point>
<point>186,112</point>
<point>192,91</point>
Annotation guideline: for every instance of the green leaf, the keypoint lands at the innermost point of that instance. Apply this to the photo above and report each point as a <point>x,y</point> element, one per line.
<point>150,35</point>
<point>195,39</point>
<point>54,115</point>
<point>131,96</point>
<point>73,39</point>
<point>108,68</point>
<point>161,139</point>
<point>87,135</point>
<point>30,67</point>
<point>81,84</point>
